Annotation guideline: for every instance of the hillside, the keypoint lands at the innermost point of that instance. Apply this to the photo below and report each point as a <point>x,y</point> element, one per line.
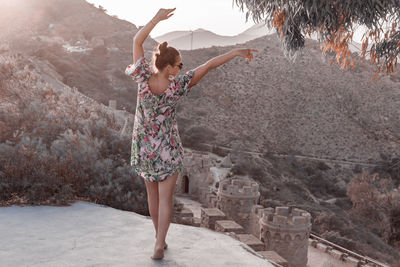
<point>86,47</point>
<point>57,144</point>
<point>307,108</point>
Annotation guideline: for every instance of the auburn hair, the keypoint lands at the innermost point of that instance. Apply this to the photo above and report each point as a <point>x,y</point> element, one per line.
<point>166,55</point>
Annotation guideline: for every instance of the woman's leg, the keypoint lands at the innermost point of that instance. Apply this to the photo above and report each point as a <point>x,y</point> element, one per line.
<point>166,204</point>
<point>152,200</point>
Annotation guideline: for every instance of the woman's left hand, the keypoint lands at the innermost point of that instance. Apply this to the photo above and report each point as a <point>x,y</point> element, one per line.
<point>164,14</point>
<point>246,53</point>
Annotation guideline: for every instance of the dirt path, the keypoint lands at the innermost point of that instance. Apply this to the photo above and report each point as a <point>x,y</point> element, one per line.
<point>310,157</point>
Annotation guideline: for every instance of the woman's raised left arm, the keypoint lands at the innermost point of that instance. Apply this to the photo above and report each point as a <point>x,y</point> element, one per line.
<point>144,32</point>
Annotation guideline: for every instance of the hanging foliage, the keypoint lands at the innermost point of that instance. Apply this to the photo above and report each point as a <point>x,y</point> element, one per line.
<point>334,21</point>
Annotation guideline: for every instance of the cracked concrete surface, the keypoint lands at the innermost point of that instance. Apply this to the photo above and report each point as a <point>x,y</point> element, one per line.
<point>89,234</point>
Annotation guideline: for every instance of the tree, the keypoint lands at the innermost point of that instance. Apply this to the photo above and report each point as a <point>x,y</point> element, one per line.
<point>335,22</point>
<point>377,201</point>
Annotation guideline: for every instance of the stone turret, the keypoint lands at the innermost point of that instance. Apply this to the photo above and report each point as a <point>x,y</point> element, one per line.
<point>286,231</point>
<point>195,173</point>
<point>236,198</point>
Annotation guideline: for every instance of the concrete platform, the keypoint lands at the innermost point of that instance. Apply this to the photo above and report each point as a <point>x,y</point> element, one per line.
<point>228,226</point>
<point>88,234</point>
<point>275,257</point>
<point>251,241</point>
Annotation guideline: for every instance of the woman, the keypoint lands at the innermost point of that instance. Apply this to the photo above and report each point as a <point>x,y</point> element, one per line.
<point>157,152</point>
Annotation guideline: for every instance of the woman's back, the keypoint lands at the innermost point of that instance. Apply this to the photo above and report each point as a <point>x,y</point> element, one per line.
<point>158,85</point>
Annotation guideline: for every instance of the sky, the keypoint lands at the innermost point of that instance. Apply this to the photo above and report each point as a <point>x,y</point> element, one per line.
<point>218,16</point>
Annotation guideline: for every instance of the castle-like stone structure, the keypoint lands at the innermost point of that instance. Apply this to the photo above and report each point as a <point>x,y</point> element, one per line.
<point>196,173</point>
<point>231,205</point>
<point>236,197</point>
<point>286,231</point>
<point>283,230</point>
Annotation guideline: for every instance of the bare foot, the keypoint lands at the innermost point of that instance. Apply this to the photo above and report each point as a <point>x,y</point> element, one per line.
<point>158,254</point>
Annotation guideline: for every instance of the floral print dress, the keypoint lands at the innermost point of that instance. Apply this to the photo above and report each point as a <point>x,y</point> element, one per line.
<point>156,151</point>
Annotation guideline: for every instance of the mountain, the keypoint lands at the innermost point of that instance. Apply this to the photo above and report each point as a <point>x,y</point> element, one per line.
<point>200,38</point>
<point>257,30</point>
<point>173,35</point>
<point>86,47</point>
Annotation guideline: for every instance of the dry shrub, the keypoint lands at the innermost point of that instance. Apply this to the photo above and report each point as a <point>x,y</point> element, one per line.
<point>376,201</point>
<point>54,149</point>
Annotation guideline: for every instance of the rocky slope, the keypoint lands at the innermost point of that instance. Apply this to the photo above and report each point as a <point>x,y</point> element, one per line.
<point>308,108</point>
<point>86,47</point>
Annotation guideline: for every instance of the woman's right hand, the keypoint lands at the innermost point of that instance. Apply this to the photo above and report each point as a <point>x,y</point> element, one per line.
<point>246,53</point>
<point>164,14</point>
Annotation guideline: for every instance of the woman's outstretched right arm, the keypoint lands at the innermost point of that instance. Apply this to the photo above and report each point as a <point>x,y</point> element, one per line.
<point>202,70</point>
<point>144,32</point>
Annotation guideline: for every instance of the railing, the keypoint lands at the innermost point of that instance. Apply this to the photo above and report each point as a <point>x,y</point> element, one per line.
<point>359,257</point>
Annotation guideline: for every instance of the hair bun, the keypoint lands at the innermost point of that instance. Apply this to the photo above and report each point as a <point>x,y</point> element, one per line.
<point>163,47</point>
<point>165,55</point>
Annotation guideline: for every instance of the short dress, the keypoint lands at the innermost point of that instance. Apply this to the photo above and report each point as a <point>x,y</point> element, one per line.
<point>157,150</point>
